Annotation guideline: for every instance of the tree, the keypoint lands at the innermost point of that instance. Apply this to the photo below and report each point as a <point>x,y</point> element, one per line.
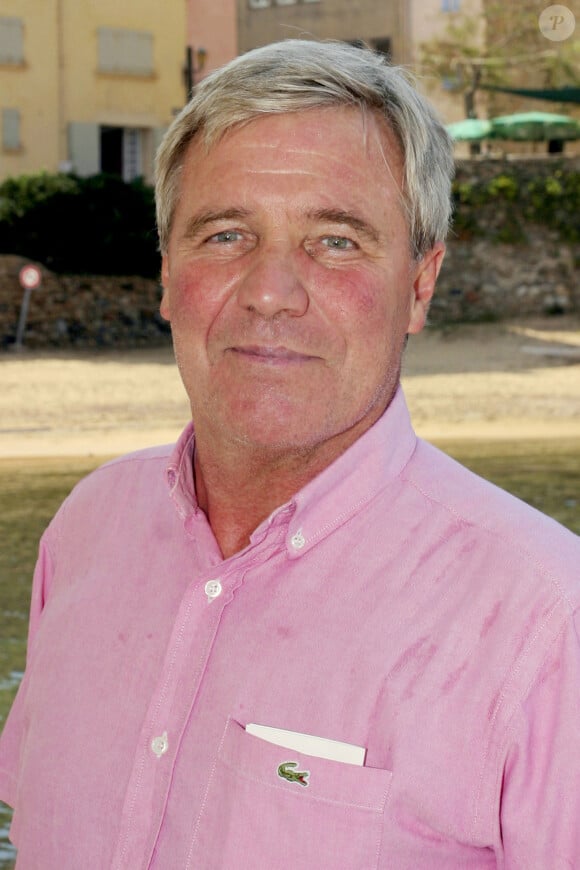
<point>502,46</point>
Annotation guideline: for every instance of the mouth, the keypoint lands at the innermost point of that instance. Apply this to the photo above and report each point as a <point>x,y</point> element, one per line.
<point>271,355</point>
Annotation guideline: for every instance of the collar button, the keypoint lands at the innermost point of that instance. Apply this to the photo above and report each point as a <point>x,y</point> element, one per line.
<point>298,540</point>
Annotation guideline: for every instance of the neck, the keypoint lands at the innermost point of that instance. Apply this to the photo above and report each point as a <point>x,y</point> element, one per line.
<point>237,492</point>
<point>238,486</point>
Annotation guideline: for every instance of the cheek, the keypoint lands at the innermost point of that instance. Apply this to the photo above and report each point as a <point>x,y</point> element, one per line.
<point>195,295</point>
<point>359,301</point>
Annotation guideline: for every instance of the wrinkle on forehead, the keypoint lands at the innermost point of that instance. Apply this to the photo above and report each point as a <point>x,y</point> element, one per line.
<point>293,147</point>
<point>374,131</point>
<point>281,171</point>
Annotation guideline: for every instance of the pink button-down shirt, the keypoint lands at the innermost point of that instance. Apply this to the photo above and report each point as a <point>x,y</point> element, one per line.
<point>397,602</point>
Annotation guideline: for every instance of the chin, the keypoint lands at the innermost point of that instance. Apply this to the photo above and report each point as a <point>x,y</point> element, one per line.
<point>274,439</point>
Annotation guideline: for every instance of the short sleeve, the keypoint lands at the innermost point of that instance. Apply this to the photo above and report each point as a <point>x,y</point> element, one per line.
<point>540,809</point>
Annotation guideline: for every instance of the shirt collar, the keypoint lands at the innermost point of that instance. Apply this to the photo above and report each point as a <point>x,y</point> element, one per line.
<point>179,474</point>
<point>351,481</point>
<point>326,502</point>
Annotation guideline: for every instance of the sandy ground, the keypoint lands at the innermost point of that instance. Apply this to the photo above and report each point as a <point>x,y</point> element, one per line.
<point>510,380</point>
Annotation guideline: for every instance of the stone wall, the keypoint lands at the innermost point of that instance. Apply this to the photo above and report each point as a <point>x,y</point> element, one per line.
<point>487,280</point>
<point>481,279</point>
<point>484,279</point>
<point>82,310</point>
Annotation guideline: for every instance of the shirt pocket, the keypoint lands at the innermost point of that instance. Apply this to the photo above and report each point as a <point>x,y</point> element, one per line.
<point>255,818</point>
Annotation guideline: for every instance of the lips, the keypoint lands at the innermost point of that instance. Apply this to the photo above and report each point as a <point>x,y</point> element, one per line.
<point>270,354</point>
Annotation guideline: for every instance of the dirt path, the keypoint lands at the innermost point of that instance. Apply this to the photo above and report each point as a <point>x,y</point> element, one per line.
<point>511,380</point>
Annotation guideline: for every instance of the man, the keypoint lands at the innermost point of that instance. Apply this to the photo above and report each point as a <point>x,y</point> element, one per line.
<point>299,562</point>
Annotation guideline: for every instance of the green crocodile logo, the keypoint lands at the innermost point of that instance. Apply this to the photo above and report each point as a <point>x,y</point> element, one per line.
<point>287,771</point>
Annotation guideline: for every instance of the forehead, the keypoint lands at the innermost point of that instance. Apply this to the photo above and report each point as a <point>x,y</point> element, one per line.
<point>341,144</point>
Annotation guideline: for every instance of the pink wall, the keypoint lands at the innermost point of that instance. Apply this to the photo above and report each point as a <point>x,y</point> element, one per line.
<point>212,24</point>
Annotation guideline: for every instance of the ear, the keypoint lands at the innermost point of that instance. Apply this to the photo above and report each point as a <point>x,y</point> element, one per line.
<point>164,308</point>
<point>426,272</point>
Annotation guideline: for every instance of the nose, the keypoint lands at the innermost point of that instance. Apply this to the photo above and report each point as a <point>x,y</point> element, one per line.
<point>273,286</point>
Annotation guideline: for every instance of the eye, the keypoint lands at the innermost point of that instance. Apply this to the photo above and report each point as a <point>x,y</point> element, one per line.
<point>225,237</point>
<point>338,243</point>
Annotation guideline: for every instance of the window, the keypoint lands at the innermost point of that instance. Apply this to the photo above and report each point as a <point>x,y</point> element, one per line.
<point>11,130</point>
<point>132,154</point>
<point>258,4</point>
<point>121,151</point>
<point>125,52</point>
<point>450,5</point>
<point>11,41</point>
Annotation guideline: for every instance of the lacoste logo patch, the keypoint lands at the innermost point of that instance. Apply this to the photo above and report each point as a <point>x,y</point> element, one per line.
<point>287,771</point>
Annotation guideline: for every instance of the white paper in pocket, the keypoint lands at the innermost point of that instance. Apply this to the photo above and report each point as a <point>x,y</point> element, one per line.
<point>309,744</point>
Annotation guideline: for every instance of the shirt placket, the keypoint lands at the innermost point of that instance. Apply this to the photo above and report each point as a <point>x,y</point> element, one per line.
<point>189,649</point>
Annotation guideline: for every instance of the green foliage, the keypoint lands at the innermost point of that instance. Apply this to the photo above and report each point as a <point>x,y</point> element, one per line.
<point>555,201</point>
<point>501,206</point>
<point>97,225</point>
<point>503,186</point>
<point>21,194</point>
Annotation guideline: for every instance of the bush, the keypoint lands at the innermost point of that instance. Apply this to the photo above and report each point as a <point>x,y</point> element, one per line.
<point>95,225</point>
<point>500,206</point>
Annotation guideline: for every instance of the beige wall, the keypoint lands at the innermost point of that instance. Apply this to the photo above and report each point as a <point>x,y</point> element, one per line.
<point>116,98</point>
<point>60,84</point>
<point>32,89</point>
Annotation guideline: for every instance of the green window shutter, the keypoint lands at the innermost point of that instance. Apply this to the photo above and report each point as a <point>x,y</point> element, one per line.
<point>84,148</point>
<point>11,130</point>
<point>11,41</point>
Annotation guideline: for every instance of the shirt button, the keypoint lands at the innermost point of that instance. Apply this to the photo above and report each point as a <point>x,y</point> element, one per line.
<point>160,745</point>
<point>213,588</point>
<point>298,540</point>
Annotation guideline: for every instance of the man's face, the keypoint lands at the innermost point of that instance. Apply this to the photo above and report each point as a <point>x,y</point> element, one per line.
<point>288,279</point>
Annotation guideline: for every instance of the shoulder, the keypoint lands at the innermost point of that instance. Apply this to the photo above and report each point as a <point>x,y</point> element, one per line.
<point>522,537</point>
<point>148,462</point>
<point>139,458</point>
<point>123,487</point>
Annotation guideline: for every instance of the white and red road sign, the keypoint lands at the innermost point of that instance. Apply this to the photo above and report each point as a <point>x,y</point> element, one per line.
<point>30,277</point>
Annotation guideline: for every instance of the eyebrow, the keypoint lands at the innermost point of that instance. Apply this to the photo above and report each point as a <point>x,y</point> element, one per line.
<point>337,216</point>
<point>199,221</point>
<point>330,215</point>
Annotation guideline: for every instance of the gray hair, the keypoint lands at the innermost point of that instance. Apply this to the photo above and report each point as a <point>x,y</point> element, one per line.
<point>297,75</point>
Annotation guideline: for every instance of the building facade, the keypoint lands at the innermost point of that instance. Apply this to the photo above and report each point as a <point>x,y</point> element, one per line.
<point>88,85</point>
<point>226,28</point>
<point>382,25</point>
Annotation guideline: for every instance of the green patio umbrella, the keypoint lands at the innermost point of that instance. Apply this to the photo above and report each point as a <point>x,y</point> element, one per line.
<point>535,127</point>
<point>469,130</point>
